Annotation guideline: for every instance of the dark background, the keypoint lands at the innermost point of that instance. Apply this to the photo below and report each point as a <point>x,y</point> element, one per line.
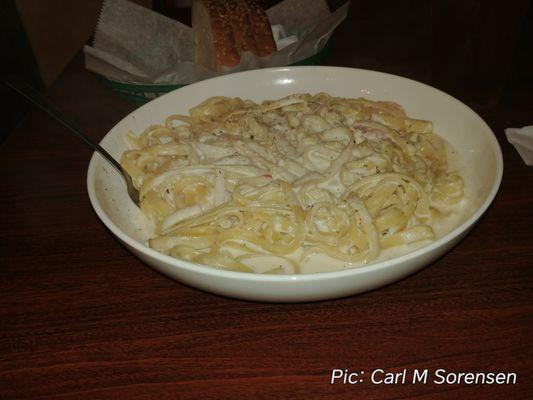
<point>478,51</point>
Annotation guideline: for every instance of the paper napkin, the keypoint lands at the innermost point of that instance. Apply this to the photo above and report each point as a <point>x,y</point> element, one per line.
<point>522,140</point>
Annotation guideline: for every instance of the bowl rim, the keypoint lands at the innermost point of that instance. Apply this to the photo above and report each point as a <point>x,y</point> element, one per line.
<point>308,277</point>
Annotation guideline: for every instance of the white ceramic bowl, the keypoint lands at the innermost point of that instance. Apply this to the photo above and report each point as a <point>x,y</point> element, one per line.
<point>465,130</point>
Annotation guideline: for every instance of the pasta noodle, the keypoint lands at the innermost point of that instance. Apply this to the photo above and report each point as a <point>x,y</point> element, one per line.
<point>264,187</point>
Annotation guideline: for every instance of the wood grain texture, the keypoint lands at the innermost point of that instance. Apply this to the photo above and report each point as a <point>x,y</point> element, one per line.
<point>82,318</point>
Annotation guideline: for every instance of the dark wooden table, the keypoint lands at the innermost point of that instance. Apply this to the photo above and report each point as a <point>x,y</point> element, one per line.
<point>82,318</point>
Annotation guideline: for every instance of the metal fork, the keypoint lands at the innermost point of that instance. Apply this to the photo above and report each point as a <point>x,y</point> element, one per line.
<point>40,101</point>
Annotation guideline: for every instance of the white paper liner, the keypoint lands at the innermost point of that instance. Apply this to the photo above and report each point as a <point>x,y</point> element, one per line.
<point>136,45</point>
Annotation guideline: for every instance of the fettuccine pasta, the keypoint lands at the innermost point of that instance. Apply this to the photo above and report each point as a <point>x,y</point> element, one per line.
<point>265,187</point>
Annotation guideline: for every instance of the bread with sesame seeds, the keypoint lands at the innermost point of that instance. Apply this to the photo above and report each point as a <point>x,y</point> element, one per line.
<point>225,29</point>
<point>261,29</point>
<point>241,26</point>
<point>213,36</point>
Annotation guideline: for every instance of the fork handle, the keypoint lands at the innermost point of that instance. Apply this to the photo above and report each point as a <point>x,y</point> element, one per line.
<point>21,87</point>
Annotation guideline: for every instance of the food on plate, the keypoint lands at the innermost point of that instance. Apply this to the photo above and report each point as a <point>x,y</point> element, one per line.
<point>305,183</point>
<point>225,30</point>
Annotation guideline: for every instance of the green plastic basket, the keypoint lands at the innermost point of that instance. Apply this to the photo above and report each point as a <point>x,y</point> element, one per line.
<point>140,94</point>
